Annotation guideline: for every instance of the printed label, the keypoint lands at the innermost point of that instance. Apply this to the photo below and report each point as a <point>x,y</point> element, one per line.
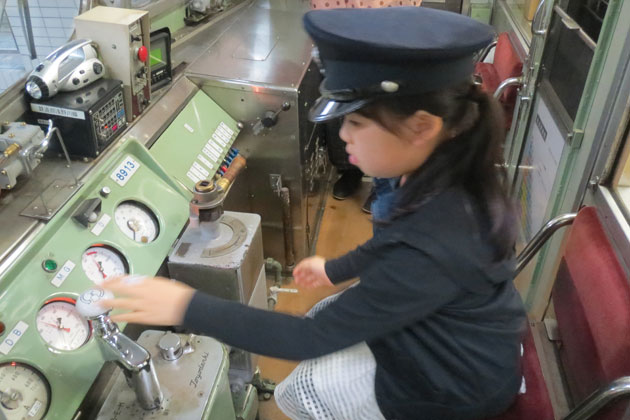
<point>12,339</point>
<point>55,110</point>
<point>125,171</point>
<point>218,139</point>
<point>192,177</point>
<point>210,154</point>
<point>204,161</point>
<point>100,225</point>
<point>35,408</point>
<point>226,128</point>
<point>223,133</point>
<point>214,147</point>
<point>196,173</point>
<point>63,273</point>
<point>201,169</point>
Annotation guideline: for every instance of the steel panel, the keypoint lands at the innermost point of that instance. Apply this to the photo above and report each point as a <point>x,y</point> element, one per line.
<point>246,89</point>
<point>264,46</point>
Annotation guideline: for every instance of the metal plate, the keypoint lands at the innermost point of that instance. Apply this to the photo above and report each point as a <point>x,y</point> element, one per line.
<point>188,383</point>
<point>51,200</point>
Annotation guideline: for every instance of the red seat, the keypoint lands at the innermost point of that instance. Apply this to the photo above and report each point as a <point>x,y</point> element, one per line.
<point>534,404</point>
<point>506,64</point>
<point>591,300</point>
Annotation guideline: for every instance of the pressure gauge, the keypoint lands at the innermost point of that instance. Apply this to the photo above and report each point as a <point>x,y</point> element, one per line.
<point>61,326</point>
<point>24,392</point>
<point>136,221</point>
<point>101,262</point>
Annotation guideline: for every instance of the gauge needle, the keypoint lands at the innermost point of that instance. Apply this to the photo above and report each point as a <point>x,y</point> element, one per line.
<point>59,327</point>
<point>100,268</point>
<point>133,225</point>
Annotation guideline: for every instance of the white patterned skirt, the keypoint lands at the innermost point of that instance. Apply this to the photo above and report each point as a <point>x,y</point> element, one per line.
<point>337,386</point>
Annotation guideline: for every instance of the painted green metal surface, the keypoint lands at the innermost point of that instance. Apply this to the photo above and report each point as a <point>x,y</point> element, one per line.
<point>220,404</point>
<point>188,144</point>
<point>173,20</point>
<point>28,285</point>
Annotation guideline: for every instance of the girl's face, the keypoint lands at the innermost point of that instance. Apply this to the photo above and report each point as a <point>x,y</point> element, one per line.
<point>383,154</point>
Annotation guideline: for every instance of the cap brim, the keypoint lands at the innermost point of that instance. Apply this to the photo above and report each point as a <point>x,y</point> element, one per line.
<point>328,109</point>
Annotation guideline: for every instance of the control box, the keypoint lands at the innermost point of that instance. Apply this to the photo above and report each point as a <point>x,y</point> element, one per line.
<point>89,118</point>
<point>123,37</point>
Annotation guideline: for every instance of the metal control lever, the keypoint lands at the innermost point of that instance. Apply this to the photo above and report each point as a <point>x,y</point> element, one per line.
<point>272,299</point>
<point>134,360</point>
<point>269,118</point>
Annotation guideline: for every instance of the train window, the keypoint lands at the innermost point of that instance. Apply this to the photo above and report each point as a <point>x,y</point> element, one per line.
<point>29,31</point>
<point>522,12</point>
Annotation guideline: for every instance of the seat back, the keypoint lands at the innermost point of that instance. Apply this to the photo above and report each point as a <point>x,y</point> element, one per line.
<point>591,298</point>
<point>507,64</point>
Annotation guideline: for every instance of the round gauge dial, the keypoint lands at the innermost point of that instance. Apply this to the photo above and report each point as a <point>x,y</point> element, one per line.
<point>24,392</point>
<point>61,326</point>
<point>136,221</point>
<point>101,262</point>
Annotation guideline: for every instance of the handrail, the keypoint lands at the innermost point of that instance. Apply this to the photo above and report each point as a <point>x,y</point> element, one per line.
<point>618,388</point>
<point>541,238</point>
<point>510,81</point>
<point>486,50</point>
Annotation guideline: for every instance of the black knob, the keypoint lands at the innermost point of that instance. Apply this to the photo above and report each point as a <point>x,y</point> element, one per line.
<point>75,81</point>
<point>269,119</point>
<point>98,68</point>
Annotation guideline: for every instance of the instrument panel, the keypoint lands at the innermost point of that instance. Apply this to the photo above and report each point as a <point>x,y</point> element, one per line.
<point>124,219</point>
<point>48,357</point>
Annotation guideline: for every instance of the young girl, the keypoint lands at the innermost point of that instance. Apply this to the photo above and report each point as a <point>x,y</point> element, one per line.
<point>350,176</point>
<point>432,330</point>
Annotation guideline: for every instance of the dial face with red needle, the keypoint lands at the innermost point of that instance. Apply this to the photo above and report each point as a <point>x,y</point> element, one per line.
<point>101,262</point>
<point>61,326</point>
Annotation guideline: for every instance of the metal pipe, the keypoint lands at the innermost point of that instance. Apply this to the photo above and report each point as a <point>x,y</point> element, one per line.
<point>271,264</point>
<point>287,225</point>
<point>484,53</point>
<point>541,238</point>
<point>134,360</point>
<point>507,82</point>
<point>598,399</point>
<point>538,21</point>
<point>25,15</point>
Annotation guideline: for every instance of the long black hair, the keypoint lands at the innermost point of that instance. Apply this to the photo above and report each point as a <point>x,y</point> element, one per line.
<point>471,158</point>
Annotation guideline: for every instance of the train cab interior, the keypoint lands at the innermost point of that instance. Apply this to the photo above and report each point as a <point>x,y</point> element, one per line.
<point>171,138</point>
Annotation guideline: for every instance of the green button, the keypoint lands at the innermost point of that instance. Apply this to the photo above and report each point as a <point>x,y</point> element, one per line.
<point>49,265</point>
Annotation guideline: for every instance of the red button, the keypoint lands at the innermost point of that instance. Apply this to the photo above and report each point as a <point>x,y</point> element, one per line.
<point>143,53</point>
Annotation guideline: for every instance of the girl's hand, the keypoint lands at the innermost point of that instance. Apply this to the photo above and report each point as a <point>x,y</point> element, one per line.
<point>151,300</point>
<point>310,273</point>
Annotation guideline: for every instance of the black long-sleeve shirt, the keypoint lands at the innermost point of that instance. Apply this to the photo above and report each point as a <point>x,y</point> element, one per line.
<point>443,320</point>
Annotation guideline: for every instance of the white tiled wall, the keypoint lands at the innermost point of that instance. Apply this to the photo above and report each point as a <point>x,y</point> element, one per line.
<point>52,23</point>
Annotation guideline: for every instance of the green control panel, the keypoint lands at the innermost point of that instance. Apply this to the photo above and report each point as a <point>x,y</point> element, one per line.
<point>125,219</point>
<point>196,145</point>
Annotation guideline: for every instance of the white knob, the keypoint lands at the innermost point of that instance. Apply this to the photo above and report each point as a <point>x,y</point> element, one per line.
<point>88,303</point>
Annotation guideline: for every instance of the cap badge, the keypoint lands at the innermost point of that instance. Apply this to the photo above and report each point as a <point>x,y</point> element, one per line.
<point>389,86</point>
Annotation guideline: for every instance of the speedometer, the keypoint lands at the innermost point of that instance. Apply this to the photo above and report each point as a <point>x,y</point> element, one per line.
<point>101,262</point>
<point>136,221</point>
<point>24,392</point>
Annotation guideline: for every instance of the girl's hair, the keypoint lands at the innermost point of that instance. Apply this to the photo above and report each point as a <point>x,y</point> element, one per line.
<point>470,159</point>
